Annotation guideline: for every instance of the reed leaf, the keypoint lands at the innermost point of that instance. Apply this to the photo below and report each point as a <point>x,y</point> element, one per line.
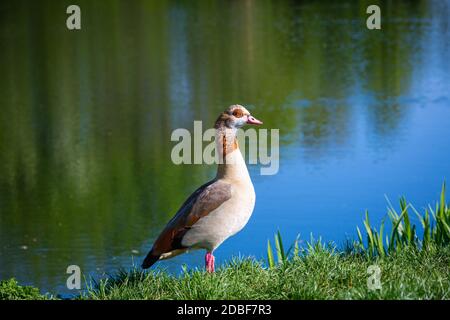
<point>270,258</point>
<point>281,255</point>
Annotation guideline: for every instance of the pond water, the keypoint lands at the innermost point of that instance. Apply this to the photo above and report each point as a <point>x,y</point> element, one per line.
<point>86,176</point>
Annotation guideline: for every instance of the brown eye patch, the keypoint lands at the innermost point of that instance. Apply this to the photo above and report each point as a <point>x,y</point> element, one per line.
<point>238,113</point>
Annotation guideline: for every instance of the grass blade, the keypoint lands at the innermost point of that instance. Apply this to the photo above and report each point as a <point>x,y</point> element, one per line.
<point>270,258</point>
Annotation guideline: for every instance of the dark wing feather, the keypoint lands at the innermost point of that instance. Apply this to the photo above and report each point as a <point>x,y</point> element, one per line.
<point>199,204</point>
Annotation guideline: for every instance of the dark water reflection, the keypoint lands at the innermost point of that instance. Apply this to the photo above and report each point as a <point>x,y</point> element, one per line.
<point>86,117</point>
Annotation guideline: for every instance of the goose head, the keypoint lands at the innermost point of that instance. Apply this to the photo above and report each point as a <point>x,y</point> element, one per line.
<point>235,117</point>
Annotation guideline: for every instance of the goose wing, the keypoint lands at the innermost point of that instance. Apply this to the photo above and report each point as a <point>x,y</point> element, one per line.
<point>203,201</point>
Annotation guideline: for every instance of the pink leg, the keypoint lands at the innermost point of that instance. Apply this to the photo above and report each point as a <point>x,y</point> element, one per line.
<point>209,262</point>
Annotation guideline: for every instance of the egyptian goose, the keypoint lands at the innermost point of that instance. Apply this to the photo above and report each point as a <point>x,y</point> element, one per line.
<point>218,209</point>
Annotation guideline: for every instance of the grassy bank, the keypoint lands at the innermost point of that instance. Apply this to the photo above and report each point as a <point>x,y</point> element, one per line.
<point>11,290</point>
<point>412,265</point>
<point>321,274</point>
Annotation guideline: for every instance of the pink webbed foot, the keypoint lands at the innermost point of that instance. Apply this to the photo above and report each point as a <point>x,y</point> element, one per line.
<point>209,262</point>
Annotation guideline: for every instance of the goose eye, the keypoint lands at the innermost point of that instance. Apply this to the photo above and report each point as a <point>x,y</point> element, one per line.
<point>238,113</point>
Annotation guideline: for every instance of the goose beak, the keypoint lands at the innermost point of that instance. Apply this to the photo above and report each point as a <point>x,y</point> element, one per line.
<point>253,120</point>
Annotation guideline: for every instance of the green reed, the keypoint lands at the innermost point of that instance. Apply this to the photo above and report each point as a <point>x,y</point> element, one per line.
<point>376,242</point>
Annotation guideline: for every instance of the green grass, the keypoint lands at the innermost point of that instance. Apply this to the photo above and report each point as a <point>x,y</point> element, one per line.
<point>11,290</point>
<point>320,274</point>
<point>412,265</point>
